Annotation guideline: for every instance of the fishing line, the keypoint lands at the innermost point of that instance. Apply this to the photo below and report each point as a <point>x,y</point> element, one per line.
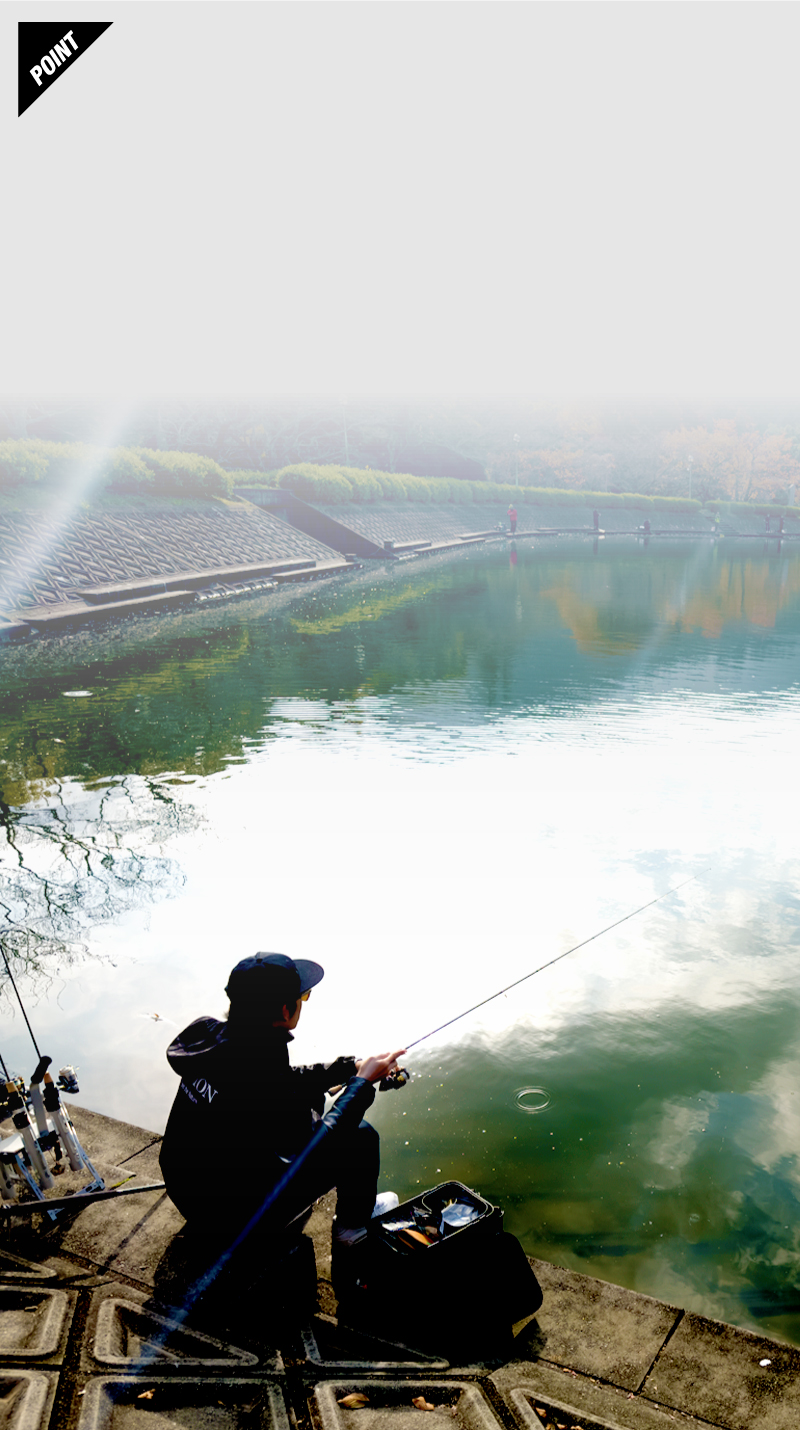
<point>19,1000</point>
<point>206,1280</point>
<point>557,959</point>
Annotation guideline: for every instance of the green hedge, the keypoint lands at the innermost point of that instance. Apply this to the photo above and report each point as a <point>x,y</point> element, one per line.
<point>334,484</point>
<point>30,461</point>
<point>183,473</point>
<point>562,496</point>
<point>752,508</point>
<point>316,482</point>
<point>26,461</point>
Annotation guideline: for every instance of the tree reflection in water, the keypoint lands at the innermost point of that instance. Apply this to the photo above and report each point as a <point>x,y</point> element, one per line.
<point>78,857</point>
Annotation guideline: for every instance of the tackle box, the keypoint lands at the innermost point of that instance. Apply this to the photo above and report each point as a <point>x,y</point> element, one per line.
<point>427,1208</point>
<point>460,1296</point>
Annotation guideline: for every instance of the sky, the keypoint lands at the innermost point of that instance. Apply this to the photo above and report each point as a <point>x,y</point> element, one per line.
<point>426,197</point>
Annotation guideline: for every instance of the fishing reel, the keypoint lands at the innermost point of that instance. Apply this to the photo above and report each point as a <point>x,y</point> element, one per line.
<point>394,1080</point>
<point>68,1079</point>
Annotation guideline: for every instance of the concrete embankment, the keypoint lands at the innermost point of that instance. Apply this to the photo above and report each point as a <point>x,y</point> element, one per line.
<point>90,1338</point>
<point>106,562</point>
<point>61,569</point>
<point>369,526</point>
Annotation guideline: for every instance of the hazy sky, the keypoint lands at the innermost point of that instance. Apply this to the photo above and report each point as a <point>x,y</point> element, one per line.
<point>426,197</point>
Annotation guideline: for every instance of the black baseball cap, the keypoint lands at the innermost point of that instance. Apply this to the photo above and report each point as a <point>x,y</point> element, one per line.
<point>272,977</point>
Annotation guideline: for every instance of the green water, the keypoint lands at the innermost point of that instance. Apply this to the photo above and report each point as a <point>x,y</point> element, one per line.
<point>433,778</point>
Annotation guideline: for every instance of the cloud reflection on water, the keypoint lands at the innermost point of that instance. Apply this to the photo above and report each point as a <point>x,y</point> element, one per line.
<point>430,814</point>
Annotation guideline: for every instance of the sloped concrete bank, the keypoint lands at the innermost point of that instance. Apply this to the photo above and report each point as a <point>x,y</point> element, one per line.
<point>88,1339</point>
<point>61,569</point>
<point>369,526</point>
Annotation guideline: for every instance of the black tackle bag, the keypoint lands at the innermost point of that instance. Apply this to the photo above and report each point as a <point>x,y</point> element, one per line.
<point>459,1295</point>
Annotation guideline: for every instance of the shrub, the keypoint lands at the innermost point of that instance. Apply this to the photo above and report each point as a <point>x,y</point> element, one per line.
<point>184,473</point>
<point>752,508</point>
<point>26,460</point>
<point>252,479</point>
<point>125,471</point>
<point>417,488</point>
<point>330,483</point>
<point>495,492</point>
<point>392,486</point>
<point>313,483</point>
<point>121,469</point>
<point>363,482</point>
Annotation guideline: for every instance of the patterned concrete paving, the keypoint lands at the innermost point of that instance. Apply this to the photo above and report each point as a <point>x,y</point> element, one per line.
<point>415,521</point>
<point>48,559</point>
<point>45,561</point>
<point>89,1339</point>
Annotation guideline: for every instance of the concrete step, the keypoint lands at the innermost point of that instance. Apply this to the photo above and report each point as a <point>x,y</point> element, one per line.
<point>66,613</point>
<point>321,568</point>
<point>188,580</point>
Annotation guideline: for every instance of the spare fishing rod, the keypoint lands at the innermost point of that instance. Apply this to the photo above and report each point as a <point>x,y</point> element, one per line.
<point>73,1202</point>
<point>23,1163</point>
<point>19,1000</point>
<point>557,959</point>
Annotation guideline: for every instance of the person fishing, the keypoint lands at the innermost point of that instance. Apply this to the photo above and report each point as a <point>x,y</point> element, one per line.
<point>240,1097</point>
<point>512,518</point>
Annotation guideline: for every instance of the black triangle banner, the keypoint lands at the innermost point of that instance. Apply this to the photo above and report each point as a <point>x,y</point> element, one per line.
<point>46,50</point>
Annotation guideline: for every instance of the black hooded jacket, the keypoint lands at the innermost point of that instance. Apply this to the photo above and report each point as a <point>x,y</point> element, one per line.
<point>241,1103</point>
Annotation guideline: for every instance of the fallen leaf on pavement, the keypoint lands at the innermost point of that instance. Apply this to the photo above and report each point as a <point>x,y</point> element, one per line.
<point>146,1395</point>
<point>421,1403</point>
<point>355,1401</point>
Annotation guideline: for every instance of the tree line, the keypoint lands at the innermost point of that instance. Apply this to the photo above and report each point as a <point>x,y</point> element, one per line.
<point>738,452</point>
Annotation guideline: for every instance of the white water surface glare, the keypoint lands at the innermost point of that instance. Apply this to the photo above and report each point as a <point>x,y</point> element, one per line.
<point>432,779</point>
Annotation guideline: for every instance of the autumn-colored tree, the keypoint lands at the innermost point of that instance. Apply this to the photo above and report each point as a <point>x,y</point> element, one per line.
<point>730,462</point>
<point>567,467</point>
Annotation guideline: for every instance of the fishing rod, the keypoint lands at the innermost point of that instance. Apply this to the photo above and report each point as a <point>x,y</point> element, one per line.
<point>394,1080</point>
<point>557,959</point>
<point>19,1000</point>
<point>75,1201</point>
<point>23,1164</point>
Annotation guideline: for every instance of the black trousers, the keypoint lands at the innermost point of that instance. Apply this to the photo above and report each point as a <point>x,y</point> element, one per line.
<point>348,1161</point>
<point>245,1231</point>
